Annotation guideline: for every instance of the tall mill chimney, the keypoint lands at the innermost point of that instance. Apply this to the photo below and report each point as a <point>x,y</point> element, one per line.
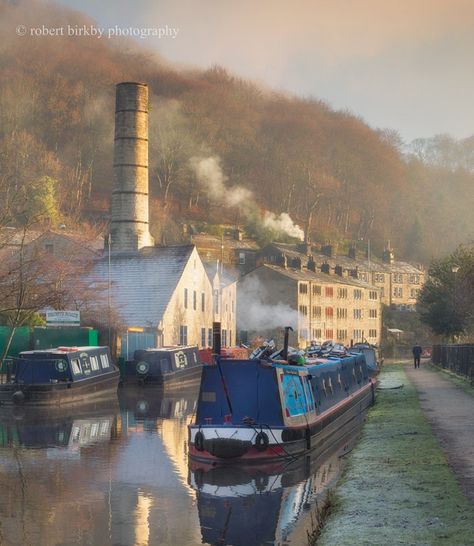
<point>129,215</point>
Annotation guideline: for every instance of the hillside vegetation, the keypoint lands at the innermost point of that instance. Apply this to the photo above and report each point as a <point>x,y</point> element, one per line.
<point>326,170</point>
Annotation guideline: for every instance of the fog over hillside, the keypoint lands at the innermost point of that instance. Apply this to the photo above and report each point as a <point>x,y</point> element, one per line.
<point>325,170</point>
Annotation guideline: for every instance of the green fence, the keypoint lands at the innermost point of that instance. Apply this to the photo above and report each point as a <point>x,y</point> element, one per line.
<point>27,338</point>
<point>47,338</point>
<point>21,340</point>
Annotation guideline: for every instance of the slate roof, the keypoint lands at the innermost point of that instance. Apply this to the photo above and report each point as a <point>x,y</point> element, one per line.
<point>308,275</point>
<point>205,240</point>
<point>142,283</point>
<point>375,263</point>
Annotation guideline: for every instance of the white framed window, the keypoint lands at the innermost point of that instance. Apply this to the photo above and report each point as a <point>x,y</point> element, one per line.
<point>104,360</point>
<point>76,366</point>
<point>94,363</point>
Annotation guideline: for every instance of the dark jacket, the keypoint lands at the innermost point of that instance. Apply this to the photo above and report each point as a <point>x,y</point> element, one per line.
<point>417,350</point>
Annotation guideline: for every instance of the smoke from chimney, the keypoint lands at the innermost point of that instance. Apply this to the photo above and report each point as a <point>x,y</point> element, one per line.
<point>212,179</point>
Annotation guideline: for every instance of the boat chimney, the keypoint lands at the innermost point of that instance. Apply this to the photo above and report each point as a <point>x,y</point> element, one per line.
<point>216,338</point>
<point>129,227</point>
<point>284,354</point>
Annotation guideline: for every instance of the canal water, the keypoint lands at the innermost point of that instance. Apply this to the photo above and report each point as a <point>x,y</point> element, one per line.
<point>118,475</point>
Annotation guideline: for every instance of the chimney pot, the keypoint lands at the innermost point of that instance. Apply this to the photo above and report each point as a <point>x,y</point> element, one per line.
<point>297,264</point>
<point>325,268</point>
<point>388,256</point>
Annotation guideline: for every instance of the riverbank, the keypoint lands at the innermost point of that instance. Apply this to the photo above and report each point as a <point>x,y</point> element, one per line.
<point>397,487</point>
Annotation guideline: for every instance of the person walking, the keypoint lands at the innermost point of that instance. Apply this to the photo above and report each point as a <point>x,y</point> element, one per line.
<point>417,350</point>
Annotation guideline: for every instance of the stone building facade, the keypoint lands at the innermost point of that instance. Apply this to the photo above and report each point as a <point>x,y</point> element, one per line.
<point>399,282</point>
<point>325,306</point>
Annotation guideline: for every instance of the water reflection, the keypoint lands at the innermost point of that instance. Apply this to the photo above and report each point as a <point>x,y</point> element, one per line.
<point>58,432</point>
<point>261,505</point>
<point>118,475</point>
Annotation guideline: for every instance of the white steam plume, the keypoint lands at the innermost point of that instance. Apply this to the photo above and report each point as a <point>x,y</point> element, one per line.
<point>284,223</point>
<point>213,180</point>
<point>258,311</point>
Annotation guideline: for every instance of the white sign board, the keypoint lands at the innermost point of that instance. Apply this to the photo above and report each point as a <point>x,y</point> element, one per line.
<point>63,318</point>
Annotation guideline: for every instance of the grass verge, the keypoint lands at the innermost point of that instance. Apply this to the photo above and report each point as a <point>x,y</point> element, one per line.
<point>458,380</point>
<point>397,487</point>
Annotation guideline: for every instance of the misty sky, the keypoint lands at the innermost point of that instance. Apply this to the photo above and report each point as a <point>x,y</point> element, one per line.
<point>404,64</point>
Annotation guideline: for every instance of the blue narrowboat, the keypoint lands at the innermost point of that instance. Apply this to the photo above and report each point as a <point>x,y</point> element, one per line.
<point>259,411</point>
<point>176,367</point>
<point>61,376</point>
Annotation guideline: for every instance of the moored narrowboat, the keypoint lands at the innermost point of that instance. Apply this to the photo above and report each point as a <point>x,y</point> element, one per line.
<point>61,376</point>
<point>259,411</point>
<point>173,367</point>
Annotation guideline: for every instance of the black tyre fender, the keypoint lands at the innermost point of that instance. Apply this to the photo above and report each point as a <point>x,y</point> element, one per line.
<point>261,441</point>
<point>199,441</point>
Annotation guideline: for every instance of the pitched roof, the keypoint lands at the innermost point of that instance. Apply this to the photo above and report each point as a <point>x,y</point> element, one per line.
<point>207,240</point>
<point>375,264</point>
<point>142,283</point>
<point>308,275</point>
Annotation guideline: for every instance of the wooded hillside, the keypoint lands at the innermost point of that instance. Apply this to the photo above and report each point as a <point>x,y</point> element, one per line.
<point>327,170</point>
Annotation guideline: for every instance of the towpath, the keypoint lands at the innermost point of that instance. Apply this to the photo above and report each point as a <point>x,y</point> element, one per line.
<point>450,412</point>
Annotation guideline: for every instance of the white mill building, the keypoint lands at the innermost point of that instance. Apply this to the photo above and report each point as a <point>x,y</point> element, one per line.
<point>164,291</point>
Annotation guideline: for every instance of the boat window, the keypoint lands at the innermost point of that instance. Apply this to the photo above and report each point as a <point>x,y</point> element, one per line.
<point>76,366</point>
<point>309,394</point>
<point>94,363</point>
<point>104,360</point>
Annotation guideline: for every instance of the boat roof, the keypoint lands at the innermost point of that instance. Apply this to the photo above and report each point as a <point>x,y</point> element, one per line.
<point>317,364</point>
<point>64,350</point>
<point>168,348</point>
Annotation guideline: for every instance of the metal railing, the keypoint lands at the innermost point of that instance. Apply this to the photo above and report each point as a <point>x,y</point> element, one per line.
<point>459,359</point>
